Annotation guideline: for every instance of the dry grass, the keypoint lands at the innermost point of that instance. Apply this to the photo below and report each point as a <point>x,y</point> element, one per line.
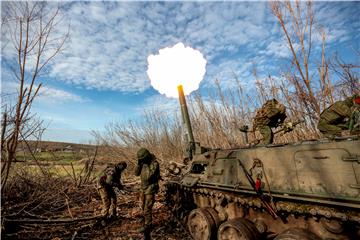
<point>216,120</point>
<point>35,195</point>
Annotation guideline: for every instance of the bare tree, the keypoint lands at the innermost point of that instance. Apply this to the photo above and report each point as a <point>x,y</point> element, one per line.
<point>314,92</point>
<point>326,88</point>
<point>348,75</point>
<point>32,40</point>
<point>297,23</point>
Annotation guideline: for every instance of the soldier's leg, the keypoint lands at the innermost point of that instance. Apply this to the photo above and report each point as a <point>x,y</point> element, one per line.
<point>112,211</point>
<point>267,134</point>
<point>142,200</point>
<point>105,198</point>
<point>142,205</point>
<point>329,130</point>
<point>149,203</point>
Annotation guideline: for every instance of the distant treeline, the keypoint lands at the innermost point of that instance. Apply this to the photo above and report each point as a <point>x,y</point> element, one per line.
<point>49,146</point>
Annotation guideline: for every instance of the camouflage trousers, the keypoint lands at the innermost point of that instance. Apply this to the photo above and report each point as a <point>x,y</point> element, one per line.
<point>147,203</point>
<point>330,129</point>
<point>266,132</point>
<point>108,198</point>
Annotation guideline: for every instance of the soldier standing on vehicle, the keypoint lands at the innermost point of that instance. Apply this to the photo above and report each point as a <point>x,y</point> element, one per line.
<point>271,114</point>
<point>340,116</point>
<point>108,180</point>
<point>148,170</point>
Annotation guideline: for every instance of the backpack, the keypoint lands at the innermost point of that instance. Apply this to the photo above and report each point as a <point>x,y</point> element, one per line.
<point>106,175</point>
<point>270,113</point>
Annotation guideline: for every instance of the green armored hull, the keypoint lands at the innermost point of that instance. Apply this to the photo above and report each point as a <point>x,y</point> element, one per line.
<point>305,190</point>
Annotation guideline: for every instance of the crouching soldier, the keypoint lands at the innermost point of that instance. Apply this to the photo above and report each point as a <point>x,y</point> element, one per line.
<point>271,115</point>
<point>108,180</point>
<point>340,116</point>
<point>148,170</point>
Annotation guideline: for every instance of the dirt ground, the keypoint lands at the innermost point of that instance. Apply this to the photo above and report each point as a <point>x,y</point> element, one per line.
<point>126,226</point>
<point>129,222</point>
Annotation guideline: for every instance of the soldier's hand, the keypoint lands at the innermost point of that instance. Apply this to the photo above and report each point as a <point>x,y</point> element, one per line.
<point>288,127</point>
<point>244,128</point>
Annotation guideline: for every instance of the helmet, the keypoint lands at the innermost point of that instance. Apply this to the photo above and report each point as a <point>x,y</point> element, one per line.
<point>121,165</point>
<point>143,153</point>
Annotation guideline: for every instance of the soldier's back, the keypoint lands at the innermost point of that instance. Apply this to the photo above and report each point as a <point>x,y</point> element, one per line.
<point>270,110</point>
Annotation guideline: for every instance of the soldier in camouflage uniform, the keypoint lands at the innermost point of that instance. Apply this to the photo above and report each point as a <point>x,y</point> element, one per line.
<point>342,115</point>
<point>149,172</point>
<point>108,180</point>
<point>271,114</point>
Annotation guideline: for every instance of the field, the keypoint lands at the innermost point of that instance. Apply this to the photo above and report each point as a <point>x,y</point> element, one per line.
<point>56,186</point>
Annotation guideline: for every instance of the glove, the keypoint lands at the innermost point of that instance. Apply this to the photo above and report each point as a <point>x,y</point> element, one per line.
<point>140,161</point>
<point>288,127</point>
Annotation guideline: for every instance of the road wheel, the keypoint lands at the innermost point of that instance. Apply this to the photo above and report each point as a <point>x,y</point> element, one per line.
<point>238,229</point>
<point>201,224</point>
<point>214,216</point>
<point>332,225</point>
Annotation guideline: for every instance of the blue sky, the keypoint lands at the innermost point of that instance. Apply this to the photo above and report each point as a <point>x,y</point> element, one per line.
<point>101,74</point>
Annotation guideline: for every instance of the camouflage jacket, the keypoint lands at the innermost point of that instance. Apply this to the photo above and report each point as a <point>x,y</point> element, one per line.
<point>149,174</point>
<point>338,112</point>
<point>110,177</point>
<point>272,113</point>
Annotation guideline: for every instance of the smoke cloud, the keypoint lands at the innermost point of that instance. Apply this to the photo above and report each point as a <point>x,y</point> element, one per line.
<point>174,66</point>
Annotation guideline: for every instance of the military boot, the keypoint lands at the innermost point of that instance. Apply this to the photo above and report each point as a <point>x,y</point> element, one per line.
<point>147,233</point>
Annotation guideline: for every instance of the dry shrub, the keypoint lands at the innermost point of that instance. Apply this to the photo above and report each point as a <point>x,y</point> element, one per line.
<point>216,122</point>
<point>157,131</point>
<point>216,119</point>
<point>41,194</point>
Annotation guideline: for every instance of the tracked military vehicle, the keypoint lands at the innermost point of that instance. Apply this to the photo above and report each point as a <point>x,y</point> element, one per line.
<point>303,190</point>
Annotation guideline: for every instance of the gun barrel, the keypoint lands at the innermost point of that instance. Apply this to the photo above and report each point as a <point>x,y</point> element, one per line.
<point>185,115</point>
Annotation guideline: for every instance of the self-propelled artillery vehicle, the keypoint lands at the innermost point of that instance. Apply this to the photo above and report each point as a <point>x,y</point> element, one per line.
<point>302,190</point>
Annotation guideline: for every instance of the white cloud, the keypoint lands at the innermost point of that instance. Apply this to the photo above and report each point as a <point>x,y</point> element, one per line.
<point>278,49</point>
<point>110,41</point>
<point>10,36</point>
<point>56,96</point>
<point>159,103</point>
<point>46,95</point>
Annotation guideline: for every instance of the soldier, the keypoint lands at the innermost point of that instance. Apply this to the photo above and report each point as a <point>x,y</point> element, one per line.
<point>108,180</point>
<point>271,114</point>
<point>342,115</point>
<point>149,172</point>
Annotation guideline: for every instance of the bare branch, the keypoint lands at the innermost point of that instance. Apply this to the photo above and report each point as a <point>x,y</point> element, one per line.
<point>32,33</point>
